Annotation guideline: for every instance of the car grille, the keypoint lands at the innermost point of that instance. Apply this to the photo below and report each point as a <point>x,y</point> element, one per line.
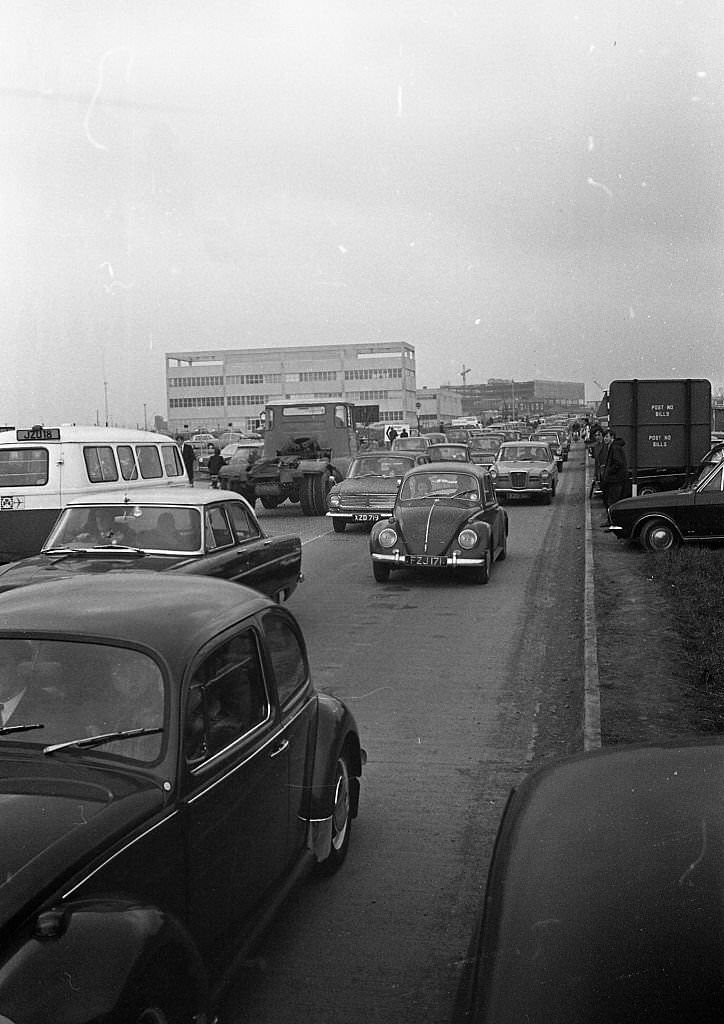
<point>377,502</point>
<point>518,479</point>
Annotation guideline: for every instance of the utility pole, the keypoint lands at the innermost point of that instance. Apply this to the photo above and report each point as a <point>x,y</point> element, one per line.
<point>464,373</point>
<point>105,398</point>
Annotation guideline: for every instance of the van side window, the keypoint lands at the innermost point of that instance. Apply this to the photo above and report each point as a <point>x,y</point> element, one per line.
<point>172,460</point>
<point>129,469</point>
<point>100,463</point>
<point>149,460</point>
<point>23,467</point>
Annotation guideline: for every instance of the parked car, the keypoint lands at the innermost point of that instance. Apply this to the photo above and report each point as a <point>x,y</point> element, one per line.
<point>368,492</point>
<point>666,519</point>
<point>247,449</point>
<point>169,773</point>
<point>410,444</point>
<point>446,516</point>
<point>448,453</point>
<point>525,469</point>
<point>184,531</point>
<point>605,894</point>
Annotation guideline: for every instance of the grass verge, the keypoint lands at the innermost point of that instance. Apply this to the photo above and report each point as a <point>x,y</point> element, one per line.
<point>693,579</point>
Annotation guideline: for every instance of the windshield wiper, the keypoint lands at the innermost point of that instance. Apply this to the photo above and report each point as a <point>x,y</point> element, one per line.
<point>125,548</point>
<point>105,737</point>
<point>21,728</point>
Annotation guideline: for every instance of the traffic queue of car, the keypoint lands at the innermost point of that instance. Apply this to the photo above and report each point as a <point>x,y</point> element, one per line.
<point>159,727</point>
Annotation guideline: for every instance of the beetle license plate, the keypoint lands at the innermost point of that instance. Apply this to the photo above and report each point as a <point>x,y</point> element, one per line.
<point>366,517</point>
<point>431,560</point>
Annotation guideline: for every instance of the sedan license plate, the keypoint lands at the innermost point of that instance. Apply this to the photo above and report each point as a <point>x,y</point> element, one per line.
<point>431,560</point>
<point>366,517</point>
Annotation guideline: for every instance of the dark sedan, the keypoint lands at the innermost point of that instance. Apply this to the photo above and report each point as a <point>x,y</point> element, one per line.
<point>666,519</point>
<point>184,531</point>
<point>448,453</point>
<point>368,492</point>
<point>605,895</point>
<point>446,516</point>
<point>167,773</point>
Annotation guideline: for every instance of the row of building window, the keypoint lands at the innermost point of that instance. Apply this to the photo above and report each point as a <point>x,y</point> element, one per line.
<point>195,382</point>
<point>374,373</point>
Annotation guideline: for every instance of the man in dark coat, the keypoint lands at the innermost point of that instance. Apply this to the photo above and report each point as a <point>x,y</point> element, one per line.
<point>215,463</point>
<point>188,455</point>
<point>614,470</point>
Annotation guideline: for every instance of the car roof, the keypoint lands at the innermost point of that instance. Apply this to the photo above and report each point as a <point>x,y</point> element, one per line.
<point>176,496</point>
<point>169,613</point>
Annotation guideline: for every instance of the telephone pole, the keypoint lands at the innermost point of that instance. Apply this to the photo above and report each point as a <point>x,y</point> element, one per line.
<point>464,373</point>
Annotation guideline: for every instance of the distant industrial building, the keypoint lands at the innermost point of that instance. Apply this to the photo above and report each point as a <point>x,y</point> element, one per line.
<point>518,399</point>
<point>435,406</point>
<point>228,388</point>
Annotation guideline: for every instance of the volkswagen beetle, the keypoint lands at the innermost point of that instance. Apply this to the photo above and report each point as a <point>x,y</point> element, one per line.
<point>167,773</point>
<point>446,516</point>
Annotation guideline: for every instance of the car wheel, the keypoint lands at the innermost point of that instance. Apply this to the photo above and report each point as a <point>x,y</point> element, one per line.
<point>560,466</point>
<point>341,819</point>
<point>547,498</point>
<point>482,573</point>
<point>339,525</point>
<point>659,536</point>
<point>270,502</point>
<point>381,572</point>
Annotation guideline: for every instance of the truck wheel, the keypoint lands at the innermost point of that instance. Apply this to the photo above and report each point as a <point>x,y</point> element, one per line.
<point>306,495</point>
<point>659,536</point>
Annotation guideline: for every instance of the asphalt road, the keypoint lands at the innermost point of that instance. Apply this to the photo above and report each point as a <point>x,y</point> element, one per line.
<point>458,689</point>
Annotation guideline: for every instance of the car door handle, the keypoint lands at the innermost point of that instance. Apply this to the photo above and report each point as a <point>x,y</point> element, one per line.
<point>280,749</point>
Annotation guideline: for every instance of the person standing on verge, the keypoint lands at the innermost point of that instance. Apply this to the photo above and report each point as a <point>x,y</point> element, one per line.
<point>614,471</point>
<point>188,455</point>
<point>215,464</point>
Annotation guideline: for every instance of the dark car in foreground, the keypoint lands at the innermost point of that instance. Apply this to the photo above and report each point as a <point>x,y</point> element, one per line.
<point>181,530</point>
<point>167,774</point>
<point>446,517</point>
<point>605,894</point>
<point>666,519</point>
<point>367,494</point>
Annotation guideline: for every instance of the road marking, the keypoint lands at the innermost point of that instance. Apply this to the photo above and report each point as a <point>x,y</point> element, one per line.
<point>591,691</point>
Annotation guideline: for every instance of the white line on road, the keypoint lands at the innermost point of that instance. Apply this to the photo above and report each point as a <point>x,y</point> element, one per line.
<point>591,691</point>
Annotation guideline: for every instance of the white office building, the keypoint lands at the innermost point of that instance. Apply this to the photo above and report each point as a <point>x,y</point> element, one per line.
<point>228,388</point>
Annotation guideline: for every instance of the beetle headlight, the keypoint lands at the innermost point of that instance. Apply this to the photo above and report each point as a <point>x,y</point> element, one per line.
<point>467,538</point>
<point>387,538</point>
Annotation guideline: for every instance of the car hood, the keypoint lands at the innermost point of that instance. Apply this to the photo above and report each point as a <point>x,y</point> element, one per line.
<point>660,502</point>
<point>428,527</point>
<point>367,485</point>
<point>43,568</point>
<point>57,815</point>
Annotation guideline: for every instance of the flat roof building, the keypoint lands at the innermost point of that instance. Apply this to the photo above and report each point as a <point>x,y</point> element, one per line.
<point>228,388</point>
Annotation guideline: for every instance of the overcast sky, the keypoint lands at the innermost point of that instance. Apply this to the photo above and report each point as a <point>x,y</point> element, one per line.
<point>528,189</point>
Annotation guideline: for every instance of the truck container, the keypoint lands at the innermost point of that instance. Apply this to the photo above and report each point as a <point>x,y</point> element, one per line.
<point>666,425</point>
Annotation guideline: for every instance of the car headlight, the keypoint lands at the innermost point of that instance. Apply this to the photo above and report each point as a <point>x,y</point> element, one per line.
<point>467,538</point>
<point>493,471</point>
<point>387,538</point>
<point>333,500</point>
<point>545,474</point>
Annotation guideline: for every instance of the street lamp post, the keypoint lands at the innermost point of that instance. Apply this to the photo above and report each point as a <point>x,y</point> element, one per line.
<point>417,413</point>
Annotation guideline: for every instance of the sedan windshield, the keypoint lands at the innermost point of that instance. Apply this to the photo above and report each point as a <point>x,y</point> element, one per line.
<point>60,691</point>
<point>148,527</point>
<point>382,465</point>
<point>523,453</point>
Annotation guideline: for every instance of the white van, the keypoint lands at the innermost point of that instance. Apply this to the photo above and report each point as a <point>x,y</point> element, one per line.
<point>42,468</point>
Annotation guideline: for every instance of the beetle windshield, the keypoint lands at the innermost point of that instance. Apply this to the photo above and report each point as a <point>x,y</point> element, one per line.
<point>149,527</point>
<point>443,484</point>
<point>56,691</point>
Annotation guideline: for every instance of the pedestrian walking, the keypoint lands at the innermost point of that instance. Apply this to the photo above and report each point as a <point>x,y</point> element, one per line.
<point>614,470</point>
<point>215,464</point>
<point>188,455</point>
<point>391,434</point>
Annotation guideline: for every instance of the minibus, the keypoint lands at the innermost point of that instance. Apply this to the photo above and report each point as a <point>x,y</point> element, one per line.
<point>42,468</point>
